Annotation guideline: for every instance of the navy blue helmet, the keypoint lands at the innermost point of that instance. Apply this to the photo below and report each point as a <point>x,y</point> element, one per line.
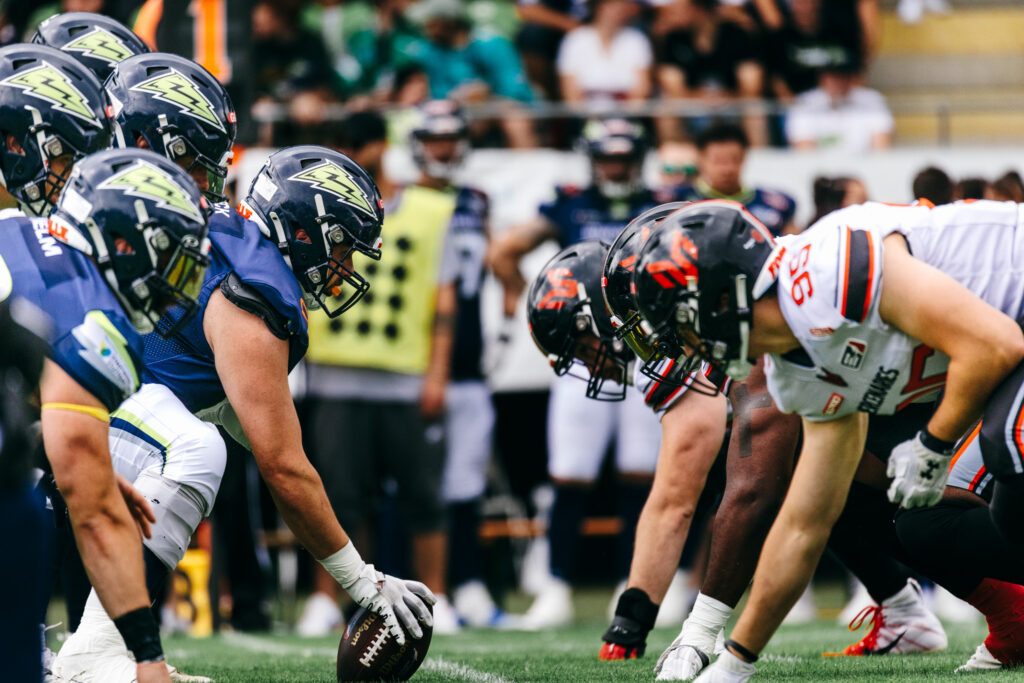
<point>320,208</point>
<point>179,109</point>
<point>143,221</point>
<point>51,115</point>
<point>616,148</point>
<point>440,120</point>
<point>95,40</point>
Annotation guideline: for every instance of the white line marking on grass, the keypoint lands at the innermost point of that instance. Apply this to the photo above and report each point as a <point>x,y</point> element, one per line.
<point>783,659</point>
<point>257,644</point>
<point>461,672</point>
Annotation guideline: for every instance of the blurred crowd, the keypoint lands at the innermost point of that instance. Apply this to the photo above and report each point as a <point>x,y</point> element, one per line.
<point>791,72</point>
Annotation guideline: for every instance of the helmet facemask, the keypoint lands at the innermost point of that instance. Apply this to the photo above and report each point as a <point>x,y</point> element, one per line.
<point>431,165</point>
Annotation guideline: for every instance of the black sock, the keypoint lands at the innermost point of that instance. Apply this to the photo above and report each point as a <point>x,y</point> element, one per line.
<point>631,499</point>
<point>864,539</point>
<point>564,531</point>
<point>463,542</point>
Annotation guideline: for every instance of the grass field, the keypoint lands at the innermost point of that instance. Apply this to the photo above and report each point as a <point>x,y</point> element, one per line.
<point>567,656</point>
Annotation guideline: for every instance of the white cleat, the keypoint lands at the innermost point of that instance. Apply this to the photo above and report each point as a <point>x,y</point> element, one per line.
<point>804,611</point>
<point>446,621</point>
<point>900,625</point>
<point>178,677</point>
<point>677,602</point>
<point>475,606</point>
<point>681,662</point>
<point>95,654</point>
<point>551,608</point>
<point>319,617</point>
<point>981,660</point>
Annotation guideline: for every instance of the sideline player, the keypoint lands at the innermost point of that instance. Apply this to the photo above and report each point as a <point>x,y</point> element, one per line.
<point>579,430</point>
<point>840,346</point>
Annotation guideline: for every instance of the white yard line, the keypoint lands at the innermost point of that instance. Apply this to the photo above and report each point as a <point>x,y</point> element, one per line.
<point>452,670</point>
<point>461,672</point>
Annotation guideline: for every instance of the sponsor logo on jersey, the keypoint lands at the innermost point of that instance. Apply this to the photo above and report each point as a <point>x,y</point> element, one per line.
<point>101,44</point>
<point>853,354</point>
<point>832,378</point>
<point>832,404</point>
<point>881,383</point>
<point>332,178</point>
<point>143,179</point>
<point>176,88</point>
<point>50,84</point>
<point>822,331</point>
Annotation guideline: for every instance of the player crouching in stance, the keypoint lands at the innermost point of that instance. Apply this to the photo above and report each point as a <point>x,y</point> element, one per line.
<point>852,325</point>
<point>141,220</point>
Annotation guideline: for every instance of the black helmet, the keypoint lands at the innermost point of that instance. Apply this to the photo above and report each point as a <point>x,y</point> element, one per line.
<point>310,201</point>
<point>694,282</point>
<point>615,139</point>
<point>95,40</point>
<point>178,108</point>
<point>143,221</point>
<point>439,120</point>
<point>52,106</point>
<point>570,324</point>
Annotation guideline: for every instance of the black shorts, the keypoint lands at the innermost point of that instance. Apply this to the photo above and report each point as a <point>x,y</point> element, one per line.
<point>356,445</point>
<point>1002,445</point>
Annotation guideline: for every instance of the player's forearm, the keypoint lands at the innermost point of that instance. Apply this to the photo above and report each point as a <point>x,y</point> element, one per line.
<point>302,502</point>
<point>969,382</point>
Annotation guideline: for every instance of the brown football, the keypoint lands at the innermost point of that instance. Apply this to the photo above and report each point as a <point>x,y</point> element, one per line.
<point>368,651</point>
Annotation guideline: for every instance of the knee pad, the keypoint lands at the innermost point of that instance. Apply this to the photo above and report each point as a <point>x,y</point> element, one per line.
<point>178,509</point>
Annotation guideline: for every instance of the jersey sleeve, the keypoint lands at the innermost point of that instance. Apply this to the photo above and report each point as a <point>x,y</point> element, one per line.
<point>104,355</point>
<point>661,396</point>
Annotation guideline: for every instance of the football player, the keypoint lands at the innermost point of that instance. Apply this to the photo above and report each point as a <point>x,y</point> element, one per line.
<point>97,41</point>
<point>312,208</point>
<point>579,430</point>
<point>691,435</point>
<point>841,346</point>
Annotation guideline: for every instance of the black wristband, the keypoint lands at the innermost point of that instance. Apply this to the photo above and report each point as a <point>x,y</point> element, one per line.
<point>743,652</point>
<point>936,444</point>
<point>141,634</point>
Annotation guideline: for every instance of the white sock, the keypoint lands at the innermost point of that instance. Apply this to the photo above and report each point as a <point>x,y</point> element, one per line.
<point>706,619</point>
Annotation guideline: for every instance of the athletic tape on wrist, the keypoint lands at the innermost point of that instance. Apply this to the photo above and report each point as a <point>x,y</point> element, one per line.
<point>141,635</point>
<point>344,565</point>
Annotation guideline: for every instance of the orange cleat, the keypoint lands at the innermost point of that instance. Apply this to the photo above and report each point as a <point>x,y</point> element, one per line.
<point>613,652</point>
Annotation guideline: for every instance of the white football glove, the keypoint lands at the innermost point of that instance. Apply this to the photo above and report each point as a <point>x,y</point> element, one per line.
<point>396,600</point>
<point>728,668</point>
<point>918,474</point>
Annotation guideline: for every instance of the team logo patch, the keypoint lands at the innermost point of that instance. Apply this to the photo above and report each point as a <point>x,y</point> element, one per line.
<point>832,404</point>
<point>331,178</point>
<point>145,180</point>
<point>853,354</point>
<point>101,44</point>
<point>104,348</point>
<point>50,84</point>
<point>176,88</point>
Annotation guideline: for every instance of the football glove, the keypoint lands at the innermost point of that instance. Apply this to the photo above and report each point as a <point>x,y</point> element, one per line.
<point>728,668</point>
<point>918,473</point>
<point>626,638</point>
<point>402,604</point>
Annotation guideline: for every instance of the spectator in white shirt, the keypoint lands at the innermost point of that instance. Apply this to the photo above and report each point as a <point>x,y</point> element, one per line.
<point>606,59</point>
<point>840,114</point>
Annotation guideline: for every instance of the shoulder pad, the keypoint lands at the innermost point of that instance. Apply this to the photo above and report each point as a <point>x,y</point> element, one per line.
<point>251,301</point>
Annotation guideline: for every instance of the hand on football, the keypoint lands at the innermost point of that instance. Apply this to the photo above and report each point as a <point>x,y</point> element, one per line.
<point>918,474</point>
<point>401,603</point>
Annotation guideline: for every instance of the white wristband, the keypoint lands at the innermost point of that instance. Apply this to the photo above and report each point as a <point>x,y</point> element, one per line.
<point>344,565</point>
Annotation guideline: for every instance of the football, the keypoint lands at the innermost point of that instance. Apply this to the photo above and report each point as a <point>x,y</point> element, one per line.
<point>368,651</point>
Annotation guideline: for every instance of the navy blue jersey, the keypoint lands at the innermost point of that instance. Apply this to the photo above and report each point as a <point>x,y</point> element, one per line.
<point>773,208</point>
<point>91,337</point>
<point>586,214</point>
<point>468,232</point>
<point>185,362</point>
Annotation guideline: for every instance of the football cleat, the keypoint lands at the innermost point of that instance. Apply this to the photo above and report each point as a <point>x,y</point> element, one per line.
<point>634,618</point>
<point>900,625</point>
<point>981,660</point>
<point>611,652</point>
<point>446,621</point>
<point>552,608</point>
<point>681,662</point>
<point>319,617</point>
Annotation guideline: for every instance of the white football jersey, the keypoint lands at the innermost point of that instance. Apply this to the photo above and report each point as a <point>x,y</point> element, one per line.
<point>829,280</point>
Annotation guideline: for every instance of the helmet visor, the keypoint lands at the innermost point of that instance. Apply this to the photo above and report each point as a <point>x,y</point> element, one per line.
<point>178,285</point>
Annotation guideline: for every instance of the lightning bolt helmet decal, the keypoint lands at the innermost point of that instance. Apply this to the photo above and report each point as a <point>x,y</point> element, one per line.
<point>95,40</point>
<point>176,88</point>
<point>331,178</point>
<point>48,83</point>
<point>145,180</point>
